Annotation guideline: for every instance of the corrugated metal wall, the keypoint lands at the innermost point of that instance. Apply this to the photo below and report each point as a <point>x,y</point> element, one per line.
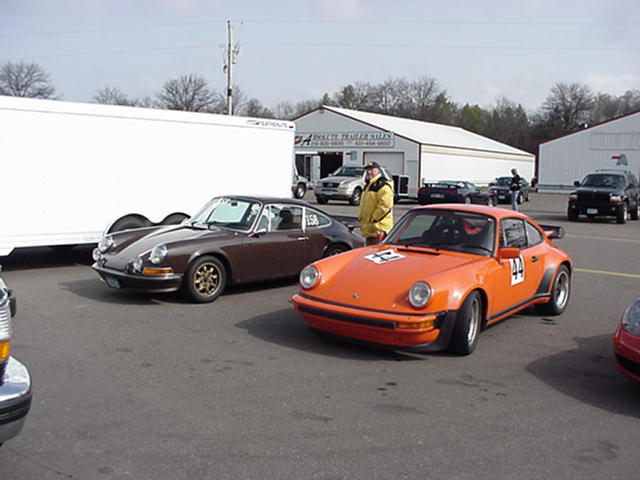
<point>570,158</point>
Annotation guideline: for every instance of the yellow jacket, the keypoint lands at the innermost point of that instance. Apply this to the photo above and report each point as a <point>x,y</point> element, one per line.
<point>376,207</point>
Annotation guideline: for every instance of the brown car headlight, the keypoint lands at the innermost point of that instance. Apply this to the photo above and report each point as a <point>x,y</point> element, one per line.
<point>309,277</point>
<point>419,294</point>
<point>158,253</point>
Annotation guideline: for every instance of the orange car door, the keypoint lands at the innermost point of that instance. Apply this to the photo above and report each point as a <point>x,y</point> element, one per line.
<point>517,279</point>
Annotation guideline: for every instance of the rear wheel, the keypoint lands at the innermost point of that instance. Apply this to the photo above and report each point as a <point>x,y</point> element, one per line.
<point>300,190</point>
<point>464,337</point>
<point>560,292</point>
<point>355,197</point>
<point>205,280</point>
<point>622,213</point>
<point>335,250</point>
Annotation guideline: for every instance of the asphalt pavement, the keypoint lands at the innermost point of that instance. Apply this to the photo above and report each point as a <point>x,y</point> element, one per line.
<point>132,386</point>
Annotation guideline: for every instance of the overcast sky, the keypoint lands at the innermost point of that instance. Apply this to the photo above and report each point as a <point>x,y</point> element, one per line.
<point>297,50</point>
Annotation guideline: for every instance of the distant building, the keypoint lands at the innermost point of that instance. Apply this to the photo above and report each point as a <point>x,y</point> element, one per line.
<point>611,144</point>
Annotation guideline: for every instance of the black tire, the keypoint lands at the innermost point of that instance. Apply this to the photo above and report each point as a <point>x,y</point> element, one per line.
<point>572,215</point>
<point>335,249</point>
<point>466,330</point>
<point>622,212</point>
<point>175,219</point>
<point>129,222</point>
<point>321,200</point>
<point>560,293</point>
<point>635,212</point>
<point>355,196</point>
<point>205,280</point>
<point>300,190</point>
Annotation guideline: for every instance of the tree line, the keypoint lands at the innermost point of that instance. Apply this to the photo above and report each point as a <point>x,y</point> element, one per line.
<point>567,108</point>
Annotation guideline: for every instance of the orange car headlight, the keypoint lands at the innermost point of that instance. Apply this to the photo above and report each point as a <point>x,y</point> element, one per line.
<point>419,294</point>
<point>309,277</point>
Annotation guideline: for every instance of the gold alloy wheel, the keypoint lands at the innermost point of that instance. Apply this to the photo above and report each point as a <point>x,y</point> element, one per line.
<point>207,279</point>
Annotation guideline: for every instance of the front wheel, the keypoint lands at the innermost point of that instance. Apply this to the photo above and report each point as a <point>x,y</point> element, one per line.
<point>572,215</point>
<point>560,292</point>
<point>205,280</point>
<point>622,213</point>
<point>355,197</point>
<point>464,337</point>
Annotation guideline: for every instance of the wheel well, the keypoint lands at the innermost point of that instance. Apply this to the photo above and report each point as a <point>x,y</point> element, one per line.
<point>219,256</point>
<point>335,244</point>
<point>485,303</point>
<point>568,265</point>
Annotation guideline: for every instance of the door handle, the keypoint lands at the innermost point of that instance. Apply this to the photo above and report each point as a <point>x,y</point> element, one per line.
<point>534,259</point>
<point>303,238</point>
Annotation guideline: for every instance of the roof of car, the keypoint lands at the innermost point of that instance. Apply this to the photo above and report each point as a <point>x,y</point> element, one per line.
<point>496,212</point>
<point>262,199</point>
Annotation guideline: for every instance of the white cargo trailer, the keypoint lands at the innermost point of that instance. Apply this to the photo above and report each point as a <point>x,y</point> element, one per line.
<point>70,171</point>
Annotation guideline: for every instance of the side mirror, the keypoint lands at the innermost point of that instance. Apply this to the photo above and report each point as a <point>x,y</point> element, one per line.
<point>507,253</point>
<point>576,183</point>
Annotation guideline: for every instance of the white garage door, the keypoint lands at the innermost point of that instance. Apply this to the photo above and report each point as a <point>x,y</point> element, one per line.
<point>392,161</point>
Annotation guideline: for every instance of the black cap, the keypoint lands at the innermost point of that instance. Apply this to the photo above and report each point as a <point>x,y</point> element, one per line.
<point>372,165</point>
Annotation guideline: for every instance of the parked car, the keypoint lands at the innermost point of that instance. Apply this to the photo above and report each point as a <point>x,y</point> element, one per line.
<point>15,382</point>
<point>347,183</point>
<point>501,190</point>
<point>606,193</point>
<point>231,240</point>
<point>626,341</point>
<point>442,274</point>
<point>454,191</point>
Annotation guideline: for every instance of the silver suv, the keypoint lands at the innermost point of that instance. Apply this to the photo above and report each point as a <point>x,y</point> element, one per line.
<point>346,183</point>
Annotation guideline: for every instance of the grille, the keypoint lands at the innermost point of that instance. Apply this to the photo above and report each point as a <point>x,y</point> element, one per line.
<point>330,185</point>
<point>593,197</point>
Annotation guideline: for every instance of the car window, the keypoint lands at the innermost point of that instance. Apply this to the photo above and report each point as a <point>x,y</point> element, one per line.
<point>513,233</point>
<point>603,180</point>
<point>280,217</point>
<point>228,212</point>
<point>534,237</point>
<point>315,219</point>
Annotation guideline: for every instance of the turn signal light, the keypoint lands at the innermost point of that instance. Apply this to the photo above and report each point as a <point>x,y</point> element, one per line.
<point>4,350</point>
<point>157,271</point>
<point>416,325</point>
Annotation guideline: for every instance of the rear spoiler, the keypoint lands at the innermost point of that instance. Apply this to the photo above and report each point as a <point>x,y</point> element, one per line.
<point>350,222</point>
<point>553,231</point>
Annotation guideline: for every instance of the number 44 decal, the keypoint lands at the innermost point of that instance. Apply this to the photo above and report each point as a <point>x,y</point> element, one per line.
<point>517,270</point>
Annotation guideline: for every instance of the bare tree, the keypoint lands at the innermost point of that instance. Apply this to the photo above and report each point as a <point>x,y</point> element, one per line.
<point>189,92</point>
<point>567,107</point>
<point>112,96</point>
<point>25,80</point>
<point>254,108</point>
<point>508,123</point>
<point>358,96</point>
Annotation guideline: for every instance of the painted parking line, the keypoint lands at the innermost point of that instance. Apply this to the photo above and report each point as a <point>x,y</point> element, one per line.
<point>604,272</point>
<point>613,239</point>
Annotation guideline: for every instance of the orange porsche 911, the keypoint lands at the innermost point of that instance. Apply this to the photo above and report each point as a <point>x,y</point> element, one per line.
<point>442,274</point>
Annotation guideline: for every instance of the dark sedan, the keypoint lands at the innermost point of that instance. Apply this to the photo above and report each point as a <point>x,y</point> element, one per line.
<point>501,190</point>
<point>447,191</point>
<point>231,240</point>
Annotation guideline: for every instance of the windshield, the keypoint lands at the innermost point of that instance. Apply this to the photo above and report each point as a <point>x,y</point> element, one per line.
<point>603,180</point>
<point>228,212</point>
<point>503,181</point>
<point>349,172</point>
<point>446,230</point>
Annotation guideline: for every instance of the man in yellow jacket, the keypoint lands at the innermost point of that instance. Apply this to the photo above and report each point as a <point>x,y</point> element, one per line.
<point>376,205</point>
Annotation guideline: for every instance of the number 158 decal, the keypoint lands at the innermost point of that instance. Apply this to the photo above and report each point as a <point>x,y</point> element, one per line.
<point>517,270</point>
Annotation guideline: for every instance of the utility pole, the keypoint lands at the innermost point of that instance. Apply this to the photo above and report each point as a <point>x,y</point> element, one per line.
<point>231,53</point>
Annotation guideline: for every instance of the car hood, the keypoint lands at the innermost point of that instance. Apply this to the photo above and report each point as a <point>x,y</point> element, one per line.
<point>341,179</point>
<point>358,280</point>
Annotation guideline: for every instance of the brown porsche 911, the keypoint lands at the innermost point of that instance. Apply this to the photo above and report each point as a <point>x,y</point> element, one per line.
<point>231,240</point>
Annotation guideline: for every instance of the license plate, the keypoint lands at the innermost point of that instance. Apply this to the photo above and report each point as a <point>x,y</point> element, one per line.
<point>437,195</point>
<point>112,282</point>
<point>592,211</point>
<point>501,197</point>
<point>327,191</point>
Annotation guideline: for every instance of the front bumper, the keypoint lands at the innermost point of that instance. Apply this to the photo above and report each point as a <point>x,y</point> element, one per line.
<point>15,399</point>
<point>598,210</point>
<point>334,193</point>
<point>373,327</point>
<point>144,283</point>
<point>627,352</point>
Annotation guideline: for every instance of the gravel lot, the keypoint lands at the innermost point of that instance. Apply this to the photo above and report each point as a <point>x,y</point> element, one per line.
<point>150,387</point>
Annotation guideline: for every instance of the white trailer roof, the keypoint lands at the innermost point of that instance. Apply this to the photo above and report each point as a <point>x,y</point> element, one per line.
<point>427,133</point>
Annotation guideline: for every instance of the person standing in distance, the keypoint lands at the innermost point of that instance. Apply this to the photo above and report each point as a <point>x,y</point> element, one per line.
<point>514,188</point>
<point>376,205</point>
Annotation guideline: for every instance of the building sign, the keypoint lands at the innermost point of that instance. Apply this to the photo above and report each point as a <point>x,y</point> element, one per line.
<point>344,140</point>
<point>621,160</point>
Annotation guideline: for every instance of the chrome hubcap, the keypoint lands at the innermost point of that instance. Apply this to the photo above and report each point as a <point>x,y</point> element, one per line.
<point>474,321</point>
<point>207,279</point>
<point>561,292</point>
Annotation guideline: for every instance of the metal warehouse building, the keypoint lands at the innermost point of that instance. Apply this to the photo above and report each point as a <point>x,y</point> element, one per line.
<point>611,144</point>
<point>329,137</point>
